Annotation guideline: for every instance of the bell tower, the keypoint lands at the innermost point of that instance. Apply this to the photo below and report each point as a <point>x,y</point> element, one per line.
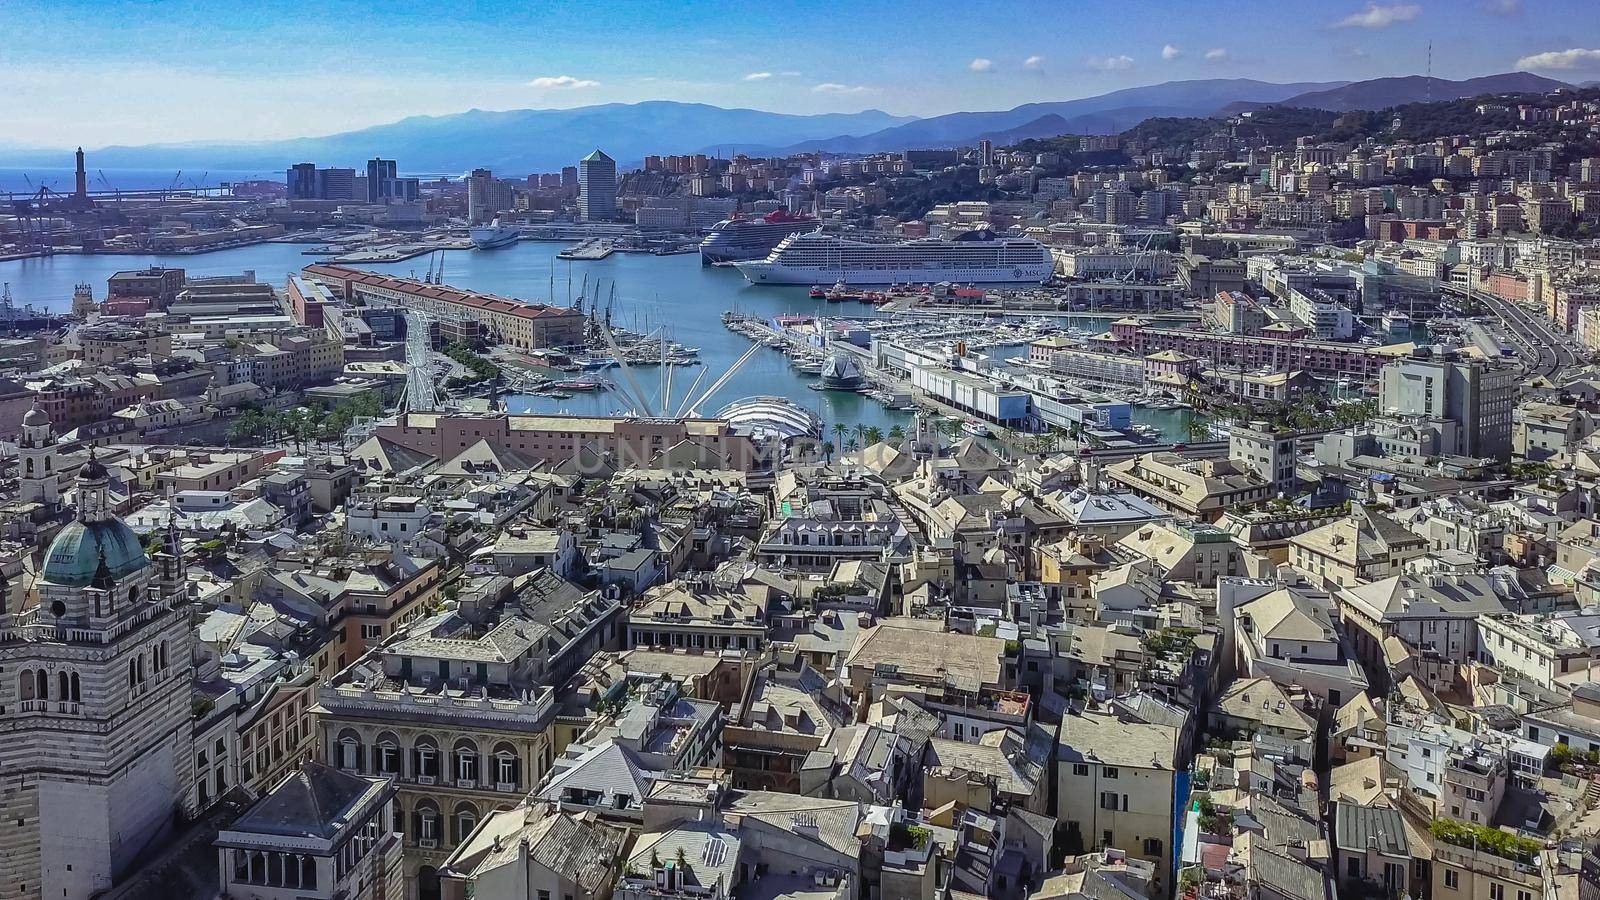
<point>96,744</point>
<point>38,460</point>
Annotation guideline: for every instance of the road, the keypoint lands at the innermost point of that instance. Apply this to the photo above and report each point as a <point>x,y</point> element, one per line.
<point>1542,345</point>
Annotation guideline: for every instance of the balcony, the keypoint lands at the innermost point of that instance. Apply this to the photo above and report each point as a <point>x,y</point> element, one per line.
<point>466,783</point>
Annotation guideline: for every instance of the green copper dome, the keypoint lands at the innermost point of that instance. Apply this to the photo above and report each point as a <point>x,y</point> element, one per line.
<point>75,554</point>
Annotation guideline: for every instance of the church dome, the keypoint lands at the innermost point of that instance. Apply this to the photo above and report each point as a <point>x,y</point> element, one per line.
<point>34,417</point>
<point>74,556</point>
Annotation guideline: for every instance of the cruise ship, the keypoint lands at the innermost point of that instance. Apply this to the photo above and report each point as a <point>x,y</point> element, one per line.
<point>977,257</point>
<point>492,235</point>
<point>732,240</point>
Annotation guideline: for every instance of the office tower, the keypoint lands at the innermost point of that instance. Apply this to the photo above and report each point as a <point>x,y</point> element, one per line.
<point>569,180</point>
<point>336,184</point>
<point>302,182</point>
<point>480,190</point>
<point>380,179</point>
<point>101,752</point>
<point>985,153</point>
<point>1115,206</point>
<point>597,188</point>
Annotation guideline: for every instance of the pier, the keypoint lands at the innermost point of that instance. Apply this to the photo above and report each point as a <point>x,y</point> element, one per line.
<point>591,249</point>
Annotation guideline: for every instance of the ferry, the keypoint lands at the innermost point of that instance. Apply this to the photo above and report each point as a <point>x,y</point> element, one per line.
<point>976,257</point>
<point>739,238</point>
<point>492,235</point>
<point>975,428</point>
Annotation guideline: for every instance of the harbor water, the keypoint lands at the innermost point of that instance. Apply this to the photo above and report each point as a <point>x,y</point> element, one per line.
<point>675,294</point>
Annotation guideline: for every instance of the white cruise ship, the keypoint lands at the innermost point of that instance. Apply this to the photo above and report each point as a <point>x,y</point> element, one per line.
<point>737,239</point>
<point>492,235</point>
<point>977,257</point>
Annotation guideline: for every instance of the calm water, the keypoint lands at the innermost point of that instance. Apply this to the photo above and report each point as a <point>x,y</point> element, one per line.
<point>674,293</point>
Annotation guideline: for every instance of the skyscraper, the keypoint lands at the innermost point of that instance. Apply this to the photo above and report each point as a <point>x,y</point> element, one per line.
<point>569,180</point>
<point>597,188</point>
<point>302,182</point>
<point>480,191</point>
<point>380,179</point>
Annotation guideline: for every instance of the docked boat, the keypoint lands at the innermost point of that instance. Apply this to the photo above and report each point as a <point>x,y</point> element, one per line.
<point>494,234</point>
<point>976,256</point>
<point>975,428</point>
<point>740,238</point>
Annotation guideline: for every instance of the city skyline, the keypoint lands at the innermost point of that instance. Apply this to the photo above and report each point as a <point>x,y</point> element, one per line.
<point>270,71</point>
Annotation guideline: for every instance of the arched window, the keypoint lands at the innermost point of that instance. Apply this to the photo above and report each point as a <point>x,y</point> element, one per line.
<point>507,767</point>
<point>63,686</point>
<point>466,819</point>
<point>25,685</point>
<point>132,673</point>
<point>425,823</point>
<point>133,595</point>
<point>425,759</point>
<point>349,750</point>
<point>77,689</point>
<point>386,754</point>
<point>41,684</point>
<point>466,761</point>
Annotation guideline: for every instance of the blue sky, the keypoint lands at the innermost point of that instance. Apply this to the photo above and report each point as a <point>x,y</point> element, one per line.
<point>98,73</point>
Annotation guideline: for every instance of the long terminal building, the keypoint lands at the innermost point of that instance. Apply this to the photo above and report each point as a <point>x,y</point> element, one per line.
<point>515,323</point>
<point>1322,358</point>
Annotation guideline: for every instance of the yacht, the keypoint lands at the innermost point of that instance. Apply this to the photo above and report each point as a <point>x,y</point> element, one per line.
<point>974,257</point>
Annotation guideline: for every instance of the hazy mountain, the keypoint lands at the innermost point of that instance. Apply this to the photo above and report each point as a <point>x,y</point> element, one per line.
<point>515,142</point>
<point>1119,110</point>
<point>1381,93</point>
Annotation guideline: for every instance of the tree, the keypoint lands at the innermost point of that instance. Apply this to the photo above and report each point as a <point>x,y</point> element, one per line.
<point>827,450</point>
<point>871,434</point>
<point>1196,429</point>
<point>840,430</point>
<point>897,434</point>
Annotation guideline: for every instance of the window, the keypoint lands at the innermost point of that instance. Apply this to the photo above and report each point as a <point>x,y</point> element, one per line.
<point>1152,847</point>
<point>1080,769</point>
<point>1106,838</point>
<point>1109,772</point>
<point>371,632</point>
<point>1497,891</point>
<point>1108,800</point>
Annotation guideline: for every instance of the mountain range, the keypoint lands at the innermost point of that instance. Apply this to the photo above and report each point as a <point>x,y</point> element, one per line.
<point>515,142</point>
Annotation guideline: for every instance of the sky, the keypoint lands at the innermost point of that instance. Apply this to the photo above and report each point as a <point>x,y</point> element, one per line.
<point>100,72</point>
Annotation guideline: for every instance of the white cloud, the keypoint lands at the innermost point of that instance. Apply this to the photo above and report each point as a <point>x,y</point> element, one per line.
<point>1033,62</point>
<point>1505,7</point>
<point>758,76</point>
<point>1111,63</point>
<point>833,87</point>
<point>1217,54</point>
<point>1380,16</point>
<point>981,65</point>
<point>790,74</point>
<point>1561,59</point>
<point>1170,53</point>
<point>562,82</point>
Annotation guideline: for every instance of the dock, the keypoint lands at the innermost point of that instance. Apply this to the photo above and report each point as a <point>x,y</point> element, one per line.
<point>591,249</point>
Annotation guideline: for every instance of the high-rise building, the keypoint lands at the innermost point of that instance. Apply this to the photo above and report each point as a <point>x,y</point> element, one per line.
<point>307,182</point>
<point>302,181</point>
<point>100,753</point>
<point>336,184</point>
<point>480,205</point>
<point>985,152</point>
<point>1115,205</point>
<point>381,174</point>
<point>597,188</point>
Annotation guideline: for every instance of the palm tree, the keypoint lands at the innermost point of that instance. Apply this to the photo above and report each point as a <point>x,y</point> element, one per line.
<point>871,434</point>
<point>897,434</point>
<point>840,429</point>
<point>1196,429</point>
<point>827,450</point>
<point>851,445</point>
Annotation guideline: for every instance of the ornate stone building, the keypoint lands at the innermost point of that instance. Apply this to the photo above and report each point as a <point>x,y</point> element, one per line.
<point>95,689</point>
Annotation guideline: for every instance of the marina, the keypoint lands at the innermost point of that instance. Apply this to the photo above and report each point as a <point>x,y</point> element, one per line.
<point>673,293</point>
